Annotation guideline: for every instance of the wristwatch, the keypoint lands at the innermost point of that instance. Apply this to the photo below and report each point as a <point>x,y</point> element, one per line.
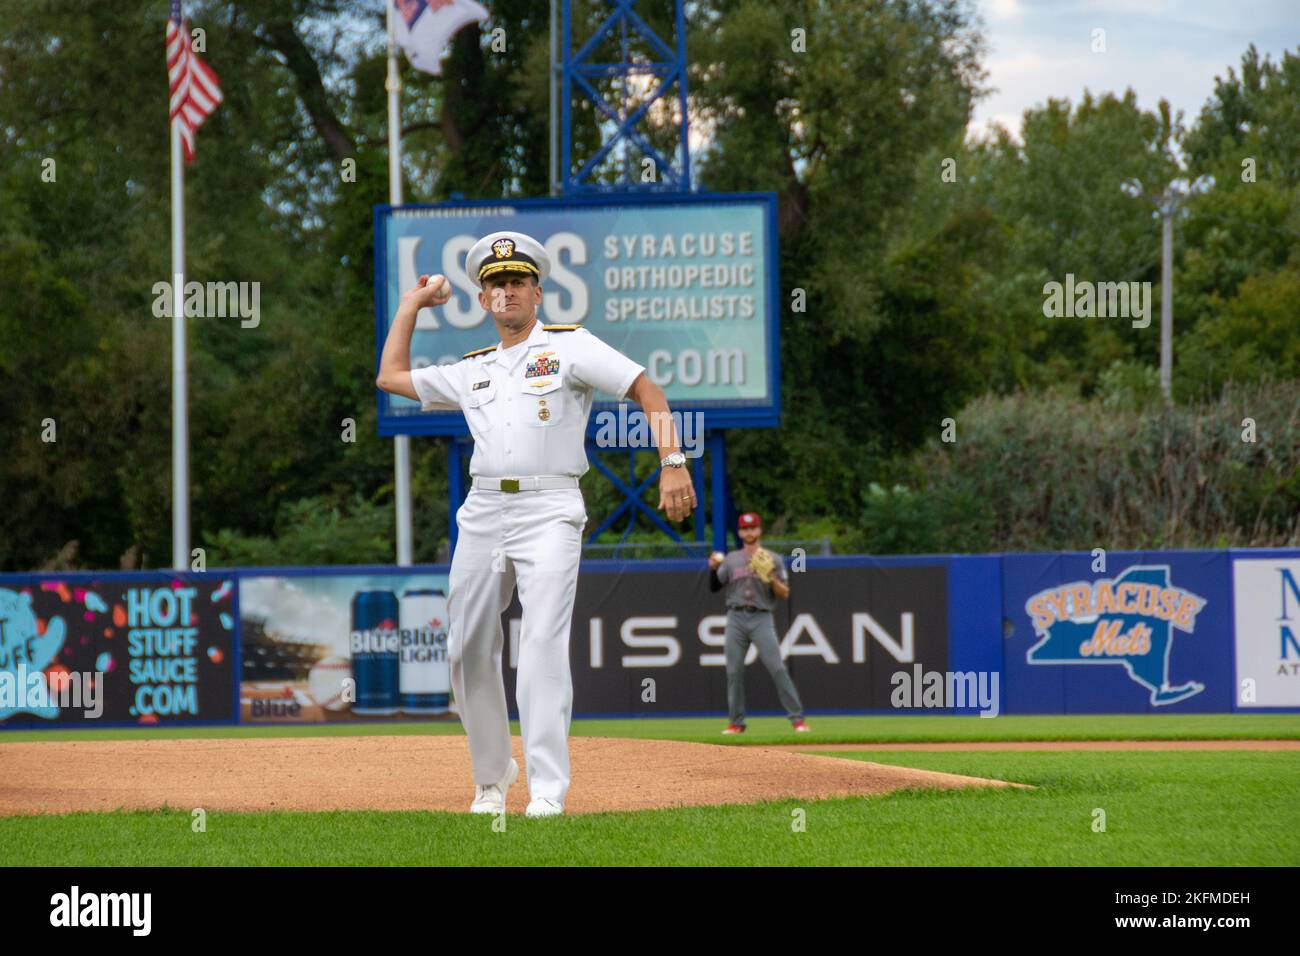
<point>675,460</point>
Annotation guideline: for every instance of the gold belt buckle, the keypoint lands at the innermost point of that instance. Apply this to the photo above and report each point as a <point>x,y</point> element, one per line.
<point>510,485</point>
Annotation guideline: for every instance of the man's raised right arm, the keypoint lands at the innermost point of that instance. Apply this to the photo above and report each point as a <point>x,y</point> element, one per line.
<point>395,361</point>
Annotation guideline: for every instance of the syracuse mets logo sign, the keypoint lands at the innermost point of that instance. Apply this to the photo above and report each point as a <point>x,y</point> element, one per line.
<point>1129,620</point>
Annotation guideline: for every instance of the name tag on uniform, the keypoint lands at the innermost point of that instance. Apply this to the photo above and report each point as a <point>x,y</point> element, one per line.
<point>478,385</point>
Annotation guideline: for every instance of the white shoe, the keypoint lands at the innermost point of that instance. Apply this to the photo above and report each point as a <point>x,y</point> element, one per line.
<point>544,807</point>
<point>492,797</point>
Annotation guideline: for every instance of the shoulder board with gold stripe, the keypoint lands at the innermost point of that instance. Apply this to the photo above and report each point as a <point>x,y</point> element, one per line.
<point>560,328</point>
<point>490,348</point>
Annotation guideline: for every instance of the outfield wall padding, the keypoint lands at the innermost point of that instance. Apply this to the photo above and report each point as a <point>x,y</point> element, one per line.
<point>1061,633</point>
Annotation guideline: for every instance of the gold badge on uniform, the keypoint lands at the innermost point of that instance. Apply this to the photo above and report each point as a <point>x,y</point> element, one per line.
<point>544,414</point>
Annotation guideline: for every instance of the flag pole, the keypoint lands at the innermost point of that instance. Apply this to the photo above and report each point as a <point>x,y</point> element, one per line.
<point>401,443</point>
<point>180,407</point>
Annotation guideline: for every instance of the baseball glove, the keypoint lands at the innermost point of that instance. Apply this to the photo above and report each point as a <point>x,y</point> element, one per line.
<point>763,565</point>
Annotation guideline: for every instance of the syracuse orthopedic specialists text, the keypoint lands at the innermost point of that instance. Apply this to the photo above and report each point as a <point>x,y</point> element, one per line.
<point>675,278</point>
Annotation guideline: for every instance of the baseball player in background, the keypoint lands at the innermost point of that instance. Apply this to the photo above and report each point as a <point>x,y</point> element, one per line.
<point>526,400</point>
<point>754,578</point>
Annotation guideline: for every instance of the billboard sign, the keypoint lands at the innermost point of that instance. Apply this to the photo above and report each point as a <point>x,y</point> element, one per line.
<point>141,649</point>
<point>686,286</point>
<point>328,647</point>
<point>1266,598</point>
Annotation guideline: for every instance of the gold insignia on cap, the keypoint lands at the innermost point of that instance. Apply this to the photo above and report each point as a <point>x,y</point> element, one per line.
<point>514,265</point>
<point>504,248</point>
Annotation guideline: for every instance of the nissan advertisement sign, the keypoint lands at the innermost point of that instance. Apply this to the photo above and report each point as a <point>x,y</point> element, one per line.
<point>647,642</point>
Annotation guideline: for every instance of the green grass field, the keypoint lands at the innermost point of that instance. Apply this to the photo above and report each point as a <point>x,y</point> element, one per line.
<point>768,730</point>
<point>1161,808</point>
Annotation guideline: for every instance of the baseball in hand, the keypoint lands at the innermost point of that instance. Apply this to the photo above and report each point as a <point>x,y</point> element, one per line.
<point>441,287</point>
<point>716,558</point>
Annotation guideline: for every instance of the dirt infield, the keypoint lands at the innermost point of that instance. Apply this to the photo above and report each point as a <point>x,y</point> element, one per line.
<point>1060,745</point>
<point>418,773</point>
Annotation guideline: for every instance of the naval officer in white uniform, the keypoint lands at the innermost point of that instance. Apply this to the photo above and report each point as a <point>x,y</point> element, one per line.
<point>526,400</point>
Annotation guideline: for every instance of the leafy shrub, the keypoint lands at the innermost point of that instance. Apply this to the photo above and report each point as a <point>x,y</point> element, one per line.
<point>1048,471</point>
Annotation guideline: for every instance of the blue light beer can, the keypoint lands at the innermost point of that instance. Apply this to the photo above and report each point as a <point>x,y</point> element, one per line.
<point>425,678</point>
<point>375,652</point>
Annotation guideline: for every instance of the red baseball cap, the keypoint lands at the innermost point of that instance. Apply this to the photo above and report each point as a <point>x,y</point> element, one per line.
<point>750,519</point>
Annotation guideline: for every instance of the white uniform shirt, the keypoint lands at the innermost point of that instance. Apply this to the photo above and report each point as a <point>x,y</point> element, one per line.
<point>529,417</point>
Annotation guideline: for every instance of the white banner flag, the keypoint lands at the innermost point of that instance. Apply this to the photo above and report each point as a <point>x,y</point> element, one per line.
<point>424,28</point>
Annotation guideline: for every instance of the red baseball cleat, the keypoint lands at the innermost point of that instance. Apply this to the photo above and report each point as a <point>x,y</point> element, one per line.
<point>734,729</point>
<point>801,728</point>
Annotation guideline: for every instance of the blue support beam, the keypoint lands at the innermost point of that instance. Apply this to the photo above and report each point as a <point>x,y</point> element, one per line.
<point>578,70</point>
<point>632,492</point>
<point>720,498</point>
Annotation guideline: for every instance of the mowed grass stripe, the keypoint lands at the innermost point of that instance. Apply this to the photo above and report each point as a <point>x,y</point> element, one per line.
<point>1162,809</point>
<point>767,730</point>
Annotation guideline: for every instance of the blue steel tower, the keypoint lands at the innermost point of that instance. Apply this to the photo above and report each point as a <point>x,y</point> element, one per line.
<point>637,101</point>
<point>628,84</point>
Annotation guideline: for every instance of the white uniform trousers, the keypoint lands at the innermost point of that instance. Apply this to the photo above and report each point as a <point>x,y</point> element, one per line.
<point>532,539</point>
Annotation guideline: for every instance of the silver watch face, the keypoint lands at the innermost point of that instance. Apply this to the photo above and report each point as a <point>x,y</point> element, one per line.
<point>675,460</point>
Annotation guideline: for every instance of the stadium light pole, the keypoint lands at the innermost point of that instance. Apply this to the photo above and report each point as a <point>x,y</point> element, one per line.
<point>555,98</point>
<point>1168,202</point>
<point>401,443</point>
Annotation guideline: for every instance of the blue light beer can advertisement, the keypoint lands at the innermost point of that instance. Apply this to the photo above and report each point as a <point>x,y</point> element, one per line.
<point>324,647</point>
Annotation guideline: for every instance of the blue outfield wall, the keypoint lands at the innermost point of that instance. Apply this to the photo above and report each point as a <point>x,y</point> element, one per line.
<point>974,621</point>
<point>1061,633</point>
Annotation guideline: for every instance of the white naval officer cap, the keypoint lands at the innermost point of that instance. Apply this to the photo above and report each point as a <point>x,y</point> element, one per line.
<point>507,252</point>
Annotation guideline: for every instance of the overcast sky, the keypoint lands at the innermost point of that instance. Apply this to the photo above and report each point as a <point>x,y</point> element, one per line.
<point>1161,48</point>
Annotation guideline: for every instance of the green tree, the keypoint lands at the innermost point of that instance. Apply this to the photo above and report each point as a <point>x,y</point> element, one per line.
<point>920,289</point>
<point>1239,318</point>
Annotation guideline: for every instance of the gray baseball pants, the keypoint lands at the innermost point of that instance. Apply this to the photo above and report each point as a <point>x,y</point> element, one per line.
<point>744,627</point>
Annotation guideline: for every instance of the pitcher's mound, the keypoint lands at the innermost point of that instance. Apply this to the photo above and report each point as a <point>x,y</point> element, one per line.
<point>418,773</point>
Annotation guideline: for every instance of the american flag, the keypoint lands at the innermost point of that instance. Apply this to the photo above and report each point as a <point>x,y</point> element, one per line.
<point>194,87</point>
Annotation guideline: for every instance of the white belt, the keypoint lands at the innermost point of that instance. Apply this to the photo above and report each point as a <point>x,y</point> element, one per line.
<point>537,483</point>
